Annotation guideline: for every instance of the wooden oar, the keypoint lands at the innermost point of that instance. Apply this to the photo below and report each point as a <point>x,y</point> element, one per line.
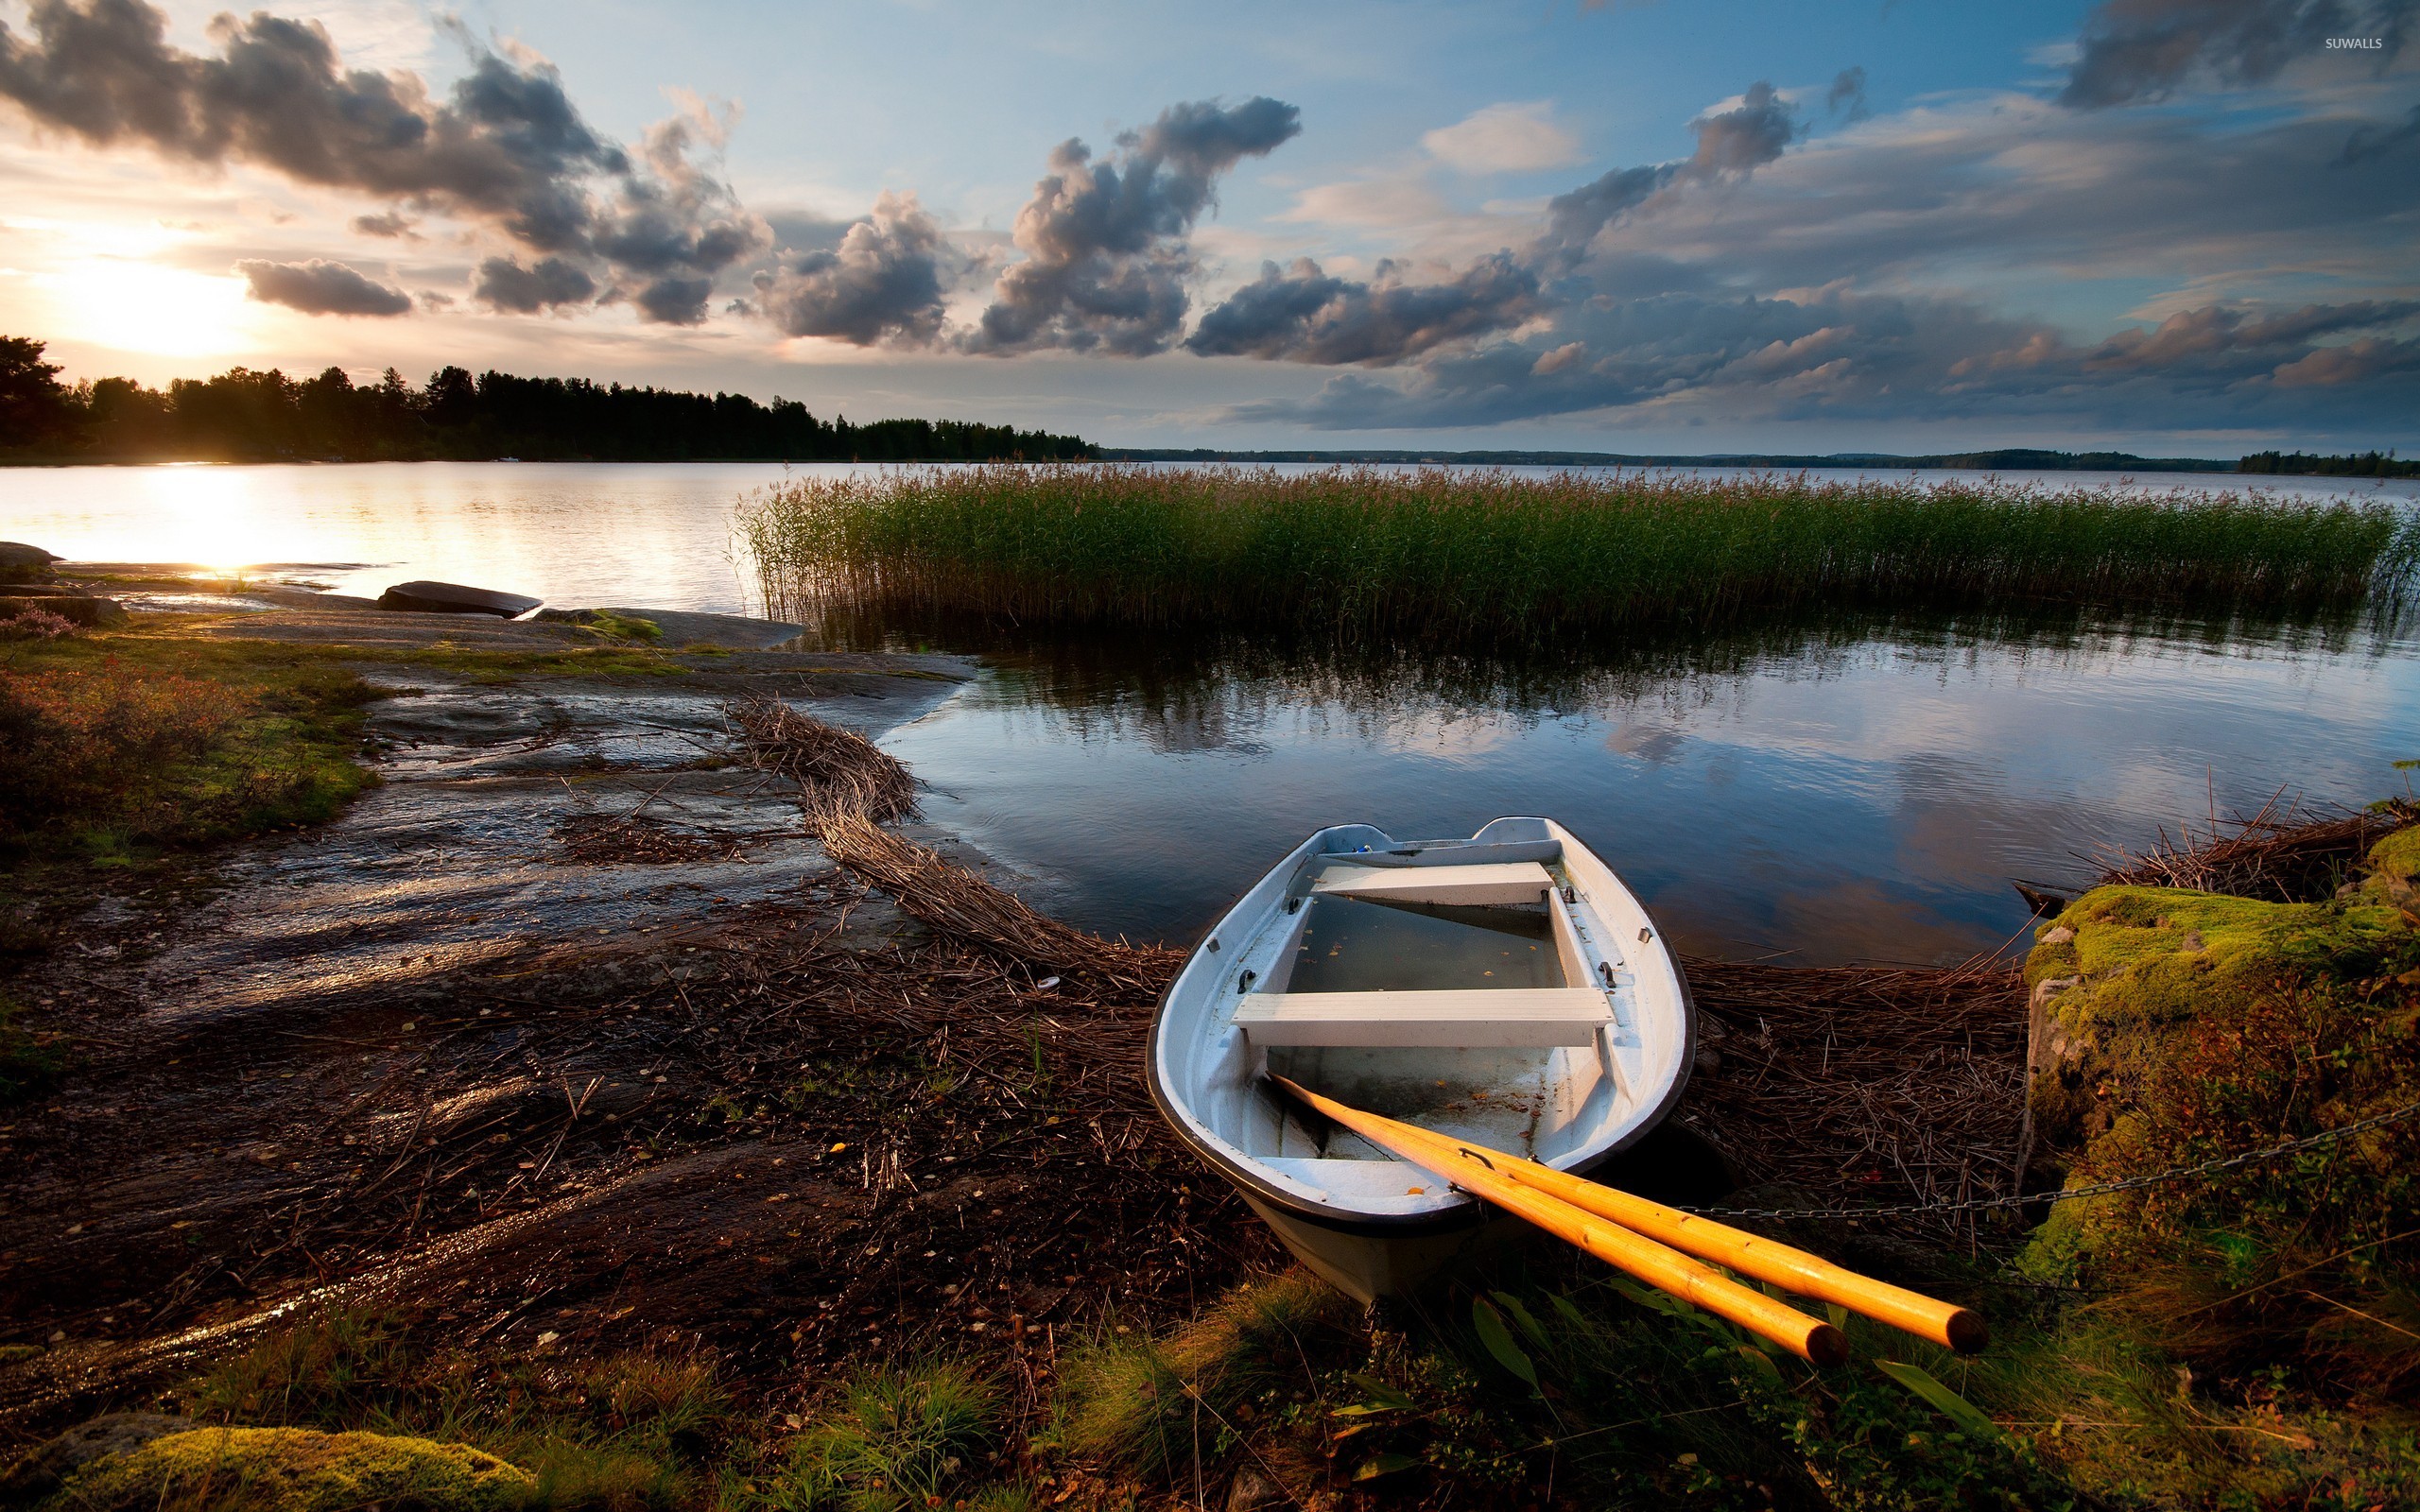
<point>1956,1328</point>
<point>1659,1266</point>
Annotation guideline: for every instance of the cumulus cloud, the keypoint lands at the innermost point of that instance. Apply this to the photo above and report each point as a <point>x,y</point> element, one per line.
<point>1510,138</point>
<point>884,281</point>
<point>319,288</point>
<point>1301,315</point>
<point>2135,50</point>
<point>504,285</point>
<point>389,223</point>
<point>505,147</point>
<point>1107,262</point>
<point>675,226</point>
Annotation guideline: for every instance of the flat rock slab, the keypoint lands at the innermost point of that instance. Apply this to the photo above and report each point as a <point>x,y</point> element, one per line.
<point>735,633</point>
<point>515,818</point>
<point>395,630</point>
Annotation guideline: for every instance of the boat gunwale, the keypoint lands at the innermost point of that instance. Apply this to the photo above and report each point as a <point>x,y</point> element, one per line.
<point>1465,1212</point>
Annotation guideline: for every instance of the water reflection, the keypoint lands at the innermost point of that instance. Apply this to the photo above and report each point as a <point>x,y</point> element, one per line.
<point>1844,789</point>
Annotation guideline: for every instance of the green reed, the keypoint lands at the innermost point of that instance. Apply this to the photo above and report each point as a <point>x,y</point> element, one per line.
<point>1446,556</point>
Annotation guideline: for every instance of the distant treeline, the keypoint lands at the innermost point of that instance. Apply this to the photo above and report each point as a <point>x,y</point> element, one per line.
<point>2011,459</point>
<point>2363,465</point>
<point>248,416</point>
<point>2017,459</point>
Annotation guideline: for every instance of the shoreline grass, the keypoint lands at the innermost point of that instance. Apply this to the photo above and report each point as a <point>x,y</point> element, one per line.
<point>1459,556</point>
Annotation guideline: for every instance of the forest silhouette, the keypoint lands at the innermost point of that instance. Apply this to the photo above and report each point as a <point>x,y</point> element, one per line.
<point>246,414</point>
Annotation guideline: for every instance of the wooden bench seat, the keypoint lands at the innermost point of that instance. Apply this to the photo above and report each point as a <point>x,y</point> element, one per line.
<point>1496,883</point>
<point>1486,1019</point>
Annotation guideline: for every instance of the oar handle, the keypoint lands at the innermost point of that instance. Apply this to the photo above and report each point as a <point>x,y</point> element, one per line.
<point>1657,1264</point>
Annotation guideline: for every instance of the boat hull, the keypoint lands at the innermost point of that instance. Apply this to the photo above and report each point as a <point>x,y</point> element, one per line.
<point>1363,1251</point>
<point>1366,1267</point>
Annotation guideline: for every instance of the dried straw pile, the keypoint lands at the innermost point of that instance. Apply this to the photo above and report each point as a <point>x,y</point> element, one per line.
<point>2280,854</point>
<point>961,905</point>
<point>1869,1083</point>
<point>837,770</point>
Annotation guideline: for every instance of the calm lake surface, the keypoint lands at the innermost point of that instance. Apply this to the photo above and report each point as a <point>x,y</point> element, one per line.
<point>1850,791</point>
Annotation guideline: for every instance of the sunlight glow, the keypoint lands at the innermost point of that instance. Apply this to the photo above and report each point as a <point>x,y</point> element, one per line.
<point>140,307</point>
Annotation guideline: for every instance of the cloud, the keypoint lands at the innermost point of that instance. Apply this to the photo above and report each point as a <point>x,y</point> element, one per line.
<point>676,225</point>
<point>2138,50</point>
<point>2232,341</point>
<point>1106,262</point>
<point>884,282</point>
<point>1841,355</point>
<point>1302,315</point>
<point>1731,145</point>
<point>2369,141</point>
<point>1510,138</point>
<point>319,287</point>
<point>1305,314</point>
<point>504,285</point>
<point>391,223</point>
<point>505,147</point>
<point>1848,92</point>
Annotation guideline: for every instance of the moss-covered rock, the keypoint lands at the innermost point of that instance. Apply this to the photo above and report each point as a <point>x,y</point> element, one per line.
<point>2170,1027</point>
<point>2124,966</point>
<point>294,1469</point>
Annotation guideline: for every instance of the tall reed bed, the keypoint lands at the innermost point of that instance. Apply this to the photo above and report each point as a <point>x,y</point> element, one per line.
<point>1462,556</point>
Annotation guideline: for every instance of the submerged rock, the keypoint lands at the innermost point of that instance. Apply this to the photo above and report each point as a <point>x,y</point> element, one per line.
<point>455,599</point>
<point>296,1470</point>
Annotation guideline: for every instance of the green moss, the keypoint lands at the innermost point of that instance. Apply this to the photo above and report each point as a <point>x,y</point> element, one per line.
<point>623,627</point>
<point>2396,856</point>
<point>2176,1028</point>
<point>295,1469</point>
<point>2158,955</point>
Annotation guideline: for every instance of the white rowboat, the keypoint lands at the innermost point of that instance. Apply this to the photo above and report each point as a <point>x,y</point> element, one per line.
<point>1506,989</point>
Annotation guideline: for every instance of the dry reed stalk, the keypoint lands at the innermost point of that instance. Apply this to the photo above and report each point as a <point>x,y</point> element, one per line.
<point>2283,853</point>
<point>833,767</point>
<point>961,905</point>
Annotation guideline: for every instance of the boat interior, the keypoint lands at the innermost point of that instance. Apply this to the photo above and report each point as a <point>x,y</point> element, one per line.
<point>1487,989</point>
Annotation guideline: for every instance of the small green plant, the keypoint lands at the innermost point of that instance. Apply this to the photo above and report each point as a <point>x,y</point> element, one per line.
<point>897,1438</point>
<point>326,1371</point>
<point>1144,1405</point>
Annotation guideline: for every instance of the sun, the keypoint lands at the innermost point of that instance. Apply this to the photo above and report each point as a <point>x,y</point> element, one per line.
<point>132,306</point>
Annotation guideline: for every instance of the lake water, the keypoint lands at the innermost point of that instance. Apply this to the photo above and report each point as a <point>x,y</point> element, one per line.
<point>1843,792</point>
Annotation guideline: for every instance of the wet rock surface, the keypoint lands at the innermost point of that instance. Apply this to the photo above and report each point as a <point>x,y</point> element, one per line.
<point>470,854</point>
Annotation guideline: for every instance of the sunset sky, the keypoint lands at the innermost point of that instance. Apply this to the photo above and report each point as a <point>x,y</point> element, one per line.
<point>2170,226</point>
